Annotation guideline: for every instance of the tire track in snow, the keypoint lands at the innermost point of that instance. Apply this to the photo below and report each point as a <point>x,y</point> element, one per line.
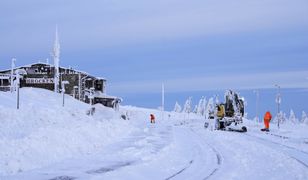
<point>303,153</point>
<point>219,160</point>
<point>303,140</point>
<point>218,155</point>
<point>182,170</point>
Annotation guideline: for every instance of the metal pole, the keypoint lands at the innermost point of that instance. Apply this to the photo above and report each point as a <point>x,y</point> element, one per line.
<point>163,101</point>
<point>12,74</point>
<point>278,101</point>
<point>62,98</point>
<point>63,83</point>
<point>18,84</point>
<point>258,98</point>
<point>257,104</point>
<point>18,95</point>
<point>63,89</point>
<point>79,88</point>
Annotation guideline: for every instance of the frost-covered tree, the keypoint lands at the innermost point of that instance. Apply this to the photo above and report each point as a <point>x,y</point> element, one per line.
<point>177,107</point>
<point>201,106</point>
<point>187,106</point>
<point>282,116</point>
<point>195,109</point>
<point>304,119</point>
<point>292,117</point>
<point>210,108</point>
<point>216,99</point>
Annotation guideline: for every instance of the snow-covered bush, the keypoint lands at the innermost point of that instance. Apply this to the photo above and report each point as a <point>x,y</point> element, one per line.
<point>177,107</point>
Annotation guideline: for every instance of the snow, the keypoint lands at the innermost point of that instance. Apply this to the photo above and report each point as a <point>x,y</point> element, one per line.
<point>43,132</point>
<point>43,140</point>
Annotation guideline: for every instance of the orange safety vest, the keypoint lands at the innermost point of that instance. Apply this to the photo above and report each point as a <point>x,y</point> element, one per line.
<point>267,116</point>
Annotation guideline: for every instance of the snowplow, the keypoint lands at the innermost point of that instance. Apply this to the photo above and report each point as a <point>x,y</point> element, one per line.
<point>229,115</point>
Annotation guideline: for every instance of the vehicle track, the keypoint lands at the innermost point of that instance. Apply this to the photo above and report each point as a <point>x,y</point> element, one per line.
<point>219,160</point>
<point>303,153</point>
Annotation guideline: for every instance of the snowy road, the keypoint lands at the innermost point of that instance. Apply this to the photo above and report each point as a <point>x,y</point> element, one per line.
<point>169,150</point>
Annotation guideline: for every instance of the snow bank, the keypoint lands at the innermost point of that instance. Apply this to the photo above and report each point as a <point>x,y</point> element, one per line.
<point>42,132</point>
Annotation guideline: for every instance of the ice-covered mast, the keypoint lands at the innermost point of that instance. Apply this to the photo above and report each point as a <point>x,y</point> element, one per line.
<point>56,58</point>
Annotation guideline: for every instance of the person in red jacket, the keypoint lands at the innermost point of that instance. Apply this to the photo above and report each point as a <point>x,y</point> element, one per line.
<point>152,118</point>
<point>267,119</point>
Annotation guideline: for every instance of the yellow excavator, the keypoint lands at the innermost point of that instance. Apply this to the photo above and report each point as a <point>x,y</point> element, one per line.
<point>229,115</point>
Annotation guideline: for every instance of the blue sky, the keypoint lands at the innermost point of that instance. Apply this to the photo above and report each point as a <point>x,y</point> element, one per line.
<point>196,45</point>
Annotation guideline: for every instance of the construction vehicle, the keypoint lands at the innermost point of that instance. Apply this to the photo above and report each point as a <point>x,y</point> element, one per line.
<point>229,115</point>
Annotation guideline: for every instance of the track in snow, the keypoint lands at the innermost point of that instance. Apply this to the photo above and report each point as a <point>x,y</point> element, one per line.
<point>201,153</point>
<point>292,152</point>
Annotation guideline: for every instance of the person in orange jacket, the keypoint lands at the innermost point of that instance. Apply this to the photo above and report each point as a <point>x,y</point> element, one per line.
<point>152,118</point>
<point>267,119</point>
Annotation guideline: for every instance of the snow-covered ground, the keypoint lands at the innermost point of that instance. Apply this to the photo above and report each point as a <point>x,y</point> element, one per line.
<point>43,140</point>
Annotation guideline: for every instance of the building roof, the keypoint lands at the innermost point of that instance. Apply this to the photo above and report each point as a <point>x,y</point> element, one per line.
<point>51,65</point>
<point>99,94</point>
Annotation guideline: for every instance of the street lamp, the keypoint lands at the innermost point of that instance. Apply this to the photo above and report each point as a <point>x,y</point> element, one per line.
<point>257,92</point>
<point>91,97</point>
<point>12,74</point>
<point>63,90</point>
<point>19,73</point>
<point>74,91</point>
<point>278,101</point>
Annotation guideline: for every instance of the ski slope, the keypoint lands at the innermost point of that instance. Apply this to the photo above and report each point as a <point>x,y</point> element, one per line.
<point>44,140</point>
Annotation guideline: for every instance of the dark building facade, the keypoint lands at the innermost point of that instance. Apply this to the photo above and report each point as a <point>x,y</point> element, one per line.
<point>80,85</point>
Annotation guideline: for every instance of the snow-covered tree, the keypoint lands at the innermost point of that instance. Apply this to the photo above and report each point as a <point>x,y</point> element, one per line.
<point>304,119</point>
<point>201,106</point>
<point>292,117</point>
<point>195,109</point>
<point>216,99</point>
<point>177,107</point>
<point>210,108</point>
<point>282,116</point>
<point>187,106</point>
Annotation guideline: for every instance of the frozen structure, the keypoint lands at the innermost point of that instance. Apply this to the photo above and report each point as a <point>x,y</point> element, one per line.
<point>81,85</point>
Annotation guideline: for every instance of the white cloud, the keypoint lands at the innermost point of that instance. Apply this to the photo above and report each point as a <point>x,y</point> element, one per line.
<point>290,79</point>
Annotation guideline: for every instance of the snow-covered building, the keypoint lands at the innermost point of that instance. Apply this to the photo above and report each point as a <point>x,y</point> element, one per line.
<point>78,84</point>
<point>82,86</point>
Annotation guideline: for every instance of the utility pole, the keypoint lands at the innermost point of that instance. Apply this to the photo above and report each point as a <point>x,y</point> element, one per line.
<point>278,101</point>
<point>257,92</point>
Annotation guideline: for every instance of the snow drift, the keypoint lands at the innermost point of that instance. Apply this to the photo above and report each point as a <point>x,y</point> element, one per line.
<point>43,132</point>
